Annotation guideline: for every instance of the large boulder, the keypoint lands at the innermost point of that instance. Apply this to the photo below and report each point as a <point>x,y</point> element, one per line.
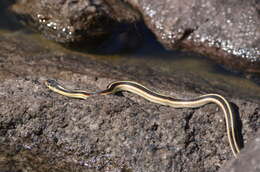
<point>44,131</point>
<point>226,31</point>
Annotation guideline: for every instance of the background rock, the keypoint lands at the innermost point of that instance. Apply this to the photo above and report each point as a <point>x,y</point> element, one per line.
<point>73,21</point>
<point>227,31</point>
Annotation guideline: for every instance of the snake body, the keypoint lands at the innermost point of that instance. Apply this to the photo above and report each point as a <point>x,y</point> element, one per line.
<point>152,96</point>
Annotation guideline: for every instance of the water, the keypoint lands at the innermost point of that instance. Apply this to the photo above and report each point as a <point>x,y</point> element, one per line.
<point>150,53</point>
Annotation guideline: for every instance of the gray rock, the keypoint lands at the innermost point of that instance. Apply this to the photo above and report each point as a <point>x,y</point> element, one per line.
<point>43,131</point>
<point>248,160</point>
<point>226,31</point>
<point>74,21</point>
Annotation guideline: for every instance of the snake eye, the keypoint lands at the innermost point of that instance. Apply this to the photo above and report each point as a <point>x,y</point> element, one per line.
<point>51,82</point>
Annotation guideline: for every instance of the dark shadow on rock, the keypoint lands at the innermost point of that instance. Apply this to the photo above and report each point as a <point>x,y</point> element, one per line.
<point>8,20</point>
<point>123,39</point>
<point>238,125</point>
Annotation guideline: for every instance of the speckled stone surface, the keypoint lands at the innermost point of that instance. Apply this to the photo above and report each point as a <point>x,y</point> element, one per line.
<point>43,131</point>
<point>73,21</point>
<point>227,31</point>
<point>248,160</point>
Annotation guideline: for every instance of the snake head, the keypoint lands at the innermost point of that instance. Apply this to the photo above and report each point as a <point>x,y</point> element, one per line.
<point>51,83</point>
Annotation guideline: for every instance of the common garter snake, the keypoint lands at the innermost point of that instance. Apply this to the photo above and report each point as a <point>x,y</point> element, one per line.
<point>152,96</point>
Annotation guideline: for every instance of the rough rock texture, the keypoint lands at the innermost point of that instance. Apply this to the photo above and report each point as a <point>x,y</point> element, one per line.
<point>73,21</point>
<point>226,31</point>
<point>249,159</point>
<point>44,131</point>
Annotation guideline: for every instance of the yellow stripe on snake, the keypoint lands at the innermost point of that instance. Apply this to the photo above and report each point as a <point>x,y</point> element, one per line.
<point>152,96</point>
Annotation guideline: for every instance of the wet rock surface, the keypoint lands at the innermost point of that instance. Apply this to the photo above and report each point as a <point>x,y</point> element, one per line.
<point>44,131</point>
<point>226,31</point>
<point>74,21</point>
